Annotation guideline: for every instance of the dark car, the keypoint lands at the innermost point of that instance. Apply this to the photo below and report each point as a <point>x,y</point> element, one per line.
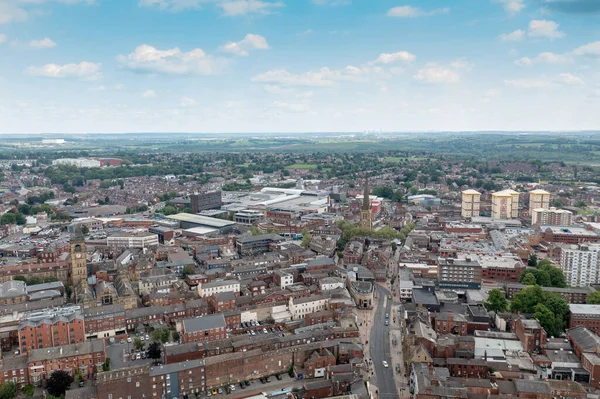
<point>267,379</point>
<point>278,377</point>
<point>81,384</point>
<point>262,380</point>
<point>247,383</point>
<point>242,385</point>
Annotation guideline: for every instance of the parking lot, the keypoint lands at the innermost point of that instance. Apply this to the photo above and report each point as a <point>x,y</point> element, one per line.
<point>120,355</point>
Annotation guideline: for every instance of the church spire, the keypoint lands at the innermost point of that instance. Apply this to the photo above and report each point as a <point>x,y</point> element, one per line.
<point>366,198</point>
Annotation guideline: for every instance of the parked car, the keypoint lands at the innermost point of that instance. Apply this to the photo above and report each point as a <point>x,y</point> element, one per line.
<point>81,383</point>
<point>214,391</point>
<point>247,383</point>
<point>142,338</point>
<point>385,364</point>
<point>278,377</point>
<point>208,394</point>
<point>265,331</point>
<point>144,355</point>
<point>242,385</point>
<point>220,390</point>
<point>129,340</point>
<point>232,387</point>
<point>147,337</point>
<point>132,357</point>
<point>122,341</point>
<point>138,356</point>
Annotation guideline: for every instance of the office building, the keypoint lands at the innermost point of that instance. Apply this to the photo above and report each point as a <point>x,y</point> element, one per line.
<point>463,273</point>
<point>204,201</point>
<point>51,327</point>
<point>551,217</point>
<point>539,199</point>
<point>580,265</point>
<point>140,239</point>
<point>470,203</point>
<point>505,204</point>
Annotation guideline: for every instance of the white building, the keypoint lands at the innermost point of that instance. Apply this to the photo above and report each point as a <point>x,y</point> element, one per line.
<point>300,307</point>
<point>505,204</point>
<point>580,265</point>
<point>133,240</point>
<point>78,162</point>
<point>471,203</point>
<point>285,278</point>
<point>331,283</point>
<point>215,287</point>
<point>551,217</point>
<point>539,199</point>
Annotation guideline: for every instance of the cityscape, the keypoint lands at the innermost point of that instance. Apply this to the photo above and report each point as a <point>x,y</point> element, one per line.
<point>299,199</point>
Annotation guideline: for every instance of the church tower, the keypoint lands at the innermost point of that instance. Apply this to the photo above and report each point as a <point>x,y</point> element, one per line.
<point>366,221</point>
<point>78,257</point>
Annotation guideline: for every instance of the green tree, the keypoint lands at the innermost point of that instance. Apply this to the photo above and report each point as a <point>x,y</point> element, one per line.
<point>543,278</point>
<point>306,237</point>
<point>20,219</point>
<point>532,260</point>
<point>189,269</point>
<point>138,344</point>
<point>255,231</point>
<point>527,278</point>
<point>8,390</point>
<point>68,291</point>
<point>593,298</point>
<point>59,382</point>
<point>8,218</point>
<point>106,364</point>
<point>545,317</point>
<point>526,300</point>
<point>160,335</point>
<point>84,229</point>
<point>175,335</point>
<point>496,301</point>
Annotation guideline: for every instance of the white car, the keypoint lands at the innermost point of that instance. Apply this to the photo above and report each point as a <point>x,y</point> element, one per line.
<point>129,339</point>
<point>141,338</point>
<point>385,364</point>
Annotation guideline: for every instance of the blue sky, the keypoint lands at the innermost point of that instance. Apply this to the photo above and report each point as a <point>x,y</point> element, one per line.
<point>298,65</point>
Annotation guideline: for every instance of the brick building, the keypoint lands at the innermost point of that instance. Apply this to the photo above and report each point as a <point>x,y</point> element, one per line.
<point>531,334</point>
<point>450,323</point>
<point>206,328</point>
<point>104,321</point>
<point>51,327</point>
<point>588,316</point>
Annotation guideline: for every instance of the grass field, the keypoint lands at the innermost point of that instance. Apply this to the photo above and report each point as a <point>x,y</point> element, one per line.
<point>302,166</point>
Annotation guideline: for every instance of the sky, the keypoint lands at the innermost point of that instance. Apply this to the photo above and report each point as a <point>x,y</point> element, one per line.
<point>117,66</point>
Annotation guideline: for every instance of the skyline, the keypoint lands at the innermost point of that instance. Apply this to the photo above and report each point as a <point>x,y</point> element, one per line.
<point>298,66</point>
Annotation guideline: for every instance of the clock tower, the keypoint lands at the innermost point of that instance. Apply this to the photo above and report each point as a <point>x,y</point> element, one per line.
<point>366,216</point>
<point>78,257</point>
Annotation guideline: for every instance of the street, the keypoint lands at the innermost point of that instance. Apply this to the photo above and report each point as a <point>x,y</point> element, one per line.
<point>379,346</point>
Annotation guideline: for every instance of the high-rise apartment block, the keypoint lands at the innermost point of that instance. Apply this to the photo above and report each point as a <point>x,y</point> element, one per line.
<point>505,204</point>
<point>470,203</point>
<point>551,217</point>
<point>205,201</point>
<point>580,265</point>
<point>539,199</point>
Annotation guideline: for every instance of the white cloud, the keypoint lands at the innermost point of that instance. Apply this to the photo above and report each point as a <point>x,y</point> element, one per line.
<point>283,77</point>
<point>290,107</point>
<point>400,56</point>
<point>173,61</point>
<point>86,70</point>
<point>436,74</point>
<point>413,12</point>
<point>250,42</point>
<point>527,83</point>
<point>512,6</point>
<point>546,58</point>
<point>149,94</point>
<point>590,49</point>
<point>513,36</point>
<point>544,28</point>
<point>3,38</point>
<point>187,102</point>
<point>461,63</point>
<point>570,79</point>
<point>42,43</point>
<point>245,7</point>
<point>10,11</point>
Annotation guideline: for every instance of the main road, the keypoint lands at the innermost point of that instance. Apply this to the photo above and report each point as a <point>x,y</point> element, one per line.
<point>379,346</point>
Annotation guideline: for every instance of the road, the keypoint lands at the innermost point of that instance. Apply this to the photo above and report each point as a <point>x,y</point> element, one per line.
<point>379,347</point>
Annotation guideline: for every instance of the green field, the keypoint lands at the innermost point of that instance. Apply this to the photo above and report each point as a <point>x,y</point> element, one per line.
<point>302,166</point>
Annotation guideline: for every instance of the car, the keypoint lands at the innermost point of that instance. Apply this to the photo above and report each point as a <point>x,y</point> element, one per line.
<point>278,377</point>
<point>142,338</point>
<point>220,390</point>
<point>273,329</point>
<point>112,340</point>
<point>129,340</point>
<point>214,391</point>
<point>122,341</point>
<point>232,387</point>
<point>247,383</point>
<point>132,357</point>
<point>144,355</point>
<point>17,352</point>
<point>267,379</point>
<point>385,364</point>
<point>242,385</point>
<point>252,332</point>
<point>262,380</point>
<point>265,331</point>
<point>138,356</point>
<point>248,332</point>
<point>387,316</point>
<point>387,322</point>
<point>81,383</point>
<point>208,393</point>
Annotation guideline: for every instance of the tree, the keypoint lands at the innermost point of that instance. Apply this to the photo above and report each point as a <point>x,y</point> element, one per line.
<point>106,364</point>
<point>59,382</point>
<point>8,218</point>
<point>68,291</point>
<point>255,231</point>
<point>496,301</point>
<point>175,335</point>
<point>593,298</point>
<point>8,390</point>
<point>545,317</point>
<point>160,335</point>
<point>154,350</point>
<point>398,196</point>
<point>84,229</point>
<point>306,237</point>
<point>138,344</point>
<point>557,278</point>
<point>527,278</point>
<point>189,269</point>
<point>20,219</point>
<point>532,260</point>
<point>526,300</point>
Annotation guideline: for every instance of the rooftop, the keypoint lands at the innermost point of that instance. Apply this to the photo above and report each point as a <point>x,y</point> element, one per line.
<point>199,219</point>
<point>204,323</point>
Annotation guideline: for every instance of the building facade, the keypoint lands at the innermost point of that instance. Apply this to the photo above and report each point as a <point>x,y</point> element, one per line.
<point>205,201</point>
<point>539,199</point>
<point>505,205</point>
<point>551,217</point>
<point>580,265</point>
<point>471,204</point>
